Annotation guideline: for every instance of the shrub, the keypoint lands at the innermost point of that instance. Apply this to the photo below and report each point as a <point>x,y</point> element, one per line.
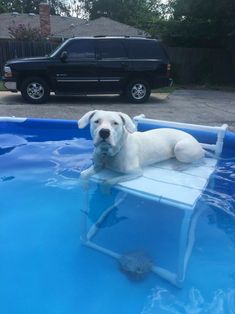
<point>25,32</point>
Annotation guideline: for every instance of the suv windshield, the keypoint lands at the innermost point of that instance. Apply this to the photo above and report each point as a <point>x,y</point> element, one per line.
<point>55,51</point>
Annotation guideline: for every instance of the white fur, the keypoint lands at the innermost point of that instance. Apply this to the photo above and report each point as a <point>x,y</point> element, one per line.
<point>128,151</point>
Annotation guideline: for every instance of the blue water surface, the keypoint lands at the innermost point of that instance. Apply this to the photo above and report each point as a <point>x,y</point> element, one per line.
<point>44,269</point>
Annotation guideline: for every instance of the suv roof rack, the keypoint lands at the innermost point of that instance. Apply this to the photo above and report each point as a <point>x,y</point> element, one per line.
<point>120,36</point>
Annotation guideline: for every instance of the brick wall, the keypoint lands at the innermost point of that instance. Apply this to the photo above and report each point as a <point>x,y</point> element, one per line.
<point>45,24</point>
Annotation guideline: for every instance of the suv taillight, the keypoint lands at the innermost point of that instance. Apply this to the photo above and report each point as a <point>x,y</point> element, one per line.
<point>168,69</point>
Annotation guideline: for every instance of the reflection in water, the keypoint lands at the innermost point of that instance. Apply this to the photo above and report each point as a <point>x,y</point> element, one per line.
<point>162,301</point>
<point>58,164</point>
<point>220,197</point>
<point>7,150</point>
<point>11,140</point>
<point>8,142</point>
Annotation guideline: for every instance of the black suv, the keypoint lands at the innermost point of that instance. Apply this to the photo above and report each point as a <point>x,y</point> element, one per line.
<point>125,65</point>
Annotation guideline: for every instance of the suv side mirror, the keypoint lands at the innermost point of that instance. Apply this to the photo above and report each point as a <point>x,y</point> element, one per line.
<point>64,56</point>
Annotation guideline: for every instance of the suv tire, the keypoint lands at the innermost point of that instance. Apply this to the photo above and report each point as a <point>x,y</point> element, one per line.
<point>138,91</point>
<point>35,90</point>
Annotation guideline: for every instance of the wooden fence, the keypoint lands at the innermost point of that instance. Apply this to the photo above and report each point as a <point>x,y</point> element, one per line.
<point>202,65</point>
<point>11,49</point>
<point>189,65</point>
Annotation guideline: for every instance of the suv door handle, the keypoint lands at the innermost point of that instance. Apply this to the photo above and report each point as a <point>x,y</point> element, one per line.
<point>90,61</point>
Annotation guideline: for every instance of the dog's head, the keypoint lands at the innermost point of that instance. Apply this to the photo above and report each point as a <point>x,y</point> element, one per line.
<point>107,129</point>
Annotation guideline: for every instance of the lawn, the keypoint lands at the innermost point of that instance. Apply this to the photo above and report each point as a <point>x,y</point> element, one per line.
<point>2,88</point>
<point>168,89</point>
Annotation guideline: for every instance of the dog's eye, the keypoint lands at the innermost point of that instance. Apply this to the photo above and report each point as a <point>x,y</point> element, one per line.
<point>115,123</point>
<point>97,121</point>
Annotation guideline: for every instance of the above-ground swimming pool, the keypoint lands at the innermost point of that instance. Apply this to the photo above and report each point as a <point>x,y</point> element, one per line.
<point>44,268</point>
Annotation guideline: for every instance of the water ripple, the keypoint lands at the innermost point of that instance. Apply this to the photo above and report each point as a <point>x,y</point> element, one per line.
<point>162,301</point>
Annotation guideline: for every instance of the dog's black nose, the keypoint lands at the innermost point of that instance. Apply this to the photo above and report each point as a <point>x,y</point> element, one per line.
<point>104,133</point>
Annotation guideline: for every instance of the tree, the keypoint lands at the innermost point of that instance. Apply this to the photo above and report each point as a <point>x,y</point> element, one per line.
<point>139,13</point>
<point>2,8</point>
<point>200,23</point>
<point>58,7</point>
<point>25,32</point>
<point>76,8</point>
<point>192,23</point>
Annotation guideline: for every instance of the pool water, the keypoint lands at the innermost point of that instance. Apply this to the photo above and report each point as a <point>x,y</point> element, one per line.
<point>45,269</point>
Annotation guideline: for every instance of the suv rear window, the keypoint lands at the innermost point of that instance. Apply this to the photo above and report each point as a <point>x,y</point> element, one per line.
<point>145,49</point>
<point>111,49</point>
<point>80,50</point>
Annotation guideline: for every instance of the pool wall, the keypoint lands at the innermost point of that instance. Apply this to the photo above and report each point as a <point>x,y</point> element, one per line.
<point>63,129</point>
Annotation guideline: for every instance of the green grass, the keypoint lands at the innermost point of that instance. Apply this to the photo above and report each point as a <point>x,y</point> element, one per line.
<point>167,89</point>
<point>2,88</point>
<point>171,89</point>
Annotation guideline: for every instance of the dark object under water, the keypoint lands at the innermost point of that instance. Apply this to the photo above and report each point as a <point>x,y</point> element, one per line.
<point>7,178</point>
<point>136,265</point>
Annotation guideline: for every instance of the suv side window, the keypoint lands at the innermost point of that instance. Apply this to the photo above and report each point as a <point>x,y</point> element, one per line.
<point>80,50</point>
<point>111,49</point>
<point>144,49</point>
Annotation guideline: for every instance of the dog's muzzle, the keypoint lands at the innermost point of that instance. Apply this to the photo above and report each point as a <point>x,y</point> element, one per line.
<point>104,133</point>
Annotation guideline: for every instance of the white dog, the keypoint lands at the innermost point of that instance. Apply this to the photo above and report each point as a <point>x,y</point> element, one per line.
<point>119,147</point>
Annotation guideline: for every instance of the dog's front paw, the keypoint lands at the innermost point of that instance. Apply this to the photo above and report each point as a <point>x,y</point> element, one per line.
<point>84,179</point>
<point>84,175</point>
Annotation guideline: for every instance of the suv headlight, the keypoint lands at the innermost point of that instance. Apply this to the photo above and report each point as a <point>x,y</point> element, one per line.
<point>7,71</point>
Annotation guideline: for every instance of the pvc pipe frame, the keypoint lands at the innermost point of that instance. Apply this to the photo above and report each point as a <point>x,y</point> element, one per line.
<point>219,130</point>
<point>189,222</point>
<point>163,273</point>
<point>86,240</point>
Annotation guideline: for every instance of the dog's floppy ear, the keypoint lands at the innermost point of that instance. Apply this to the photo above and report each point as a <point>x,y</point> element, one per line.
<point>86,119</point>
<point>128,123</point>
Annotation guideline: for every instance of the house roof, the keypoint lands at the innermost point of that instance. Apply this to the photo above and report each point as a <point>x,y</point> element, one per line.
<point>104,26</point>
<point>59,24</point>
<point>67,27</point>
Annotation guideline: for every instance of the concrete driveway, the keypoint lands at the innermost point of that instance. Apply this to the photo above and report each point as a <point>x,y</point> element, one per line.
<point>192,106</point>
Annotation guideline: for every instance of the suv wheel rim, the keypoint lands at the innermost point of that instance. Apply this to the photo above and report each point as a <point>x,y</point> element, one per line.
<point>35,90</point>
<point>138,91</point>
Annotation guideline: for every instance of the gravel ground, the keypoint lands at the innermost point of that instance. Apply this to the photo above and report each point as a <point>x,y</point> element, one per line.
<point>192,106</point>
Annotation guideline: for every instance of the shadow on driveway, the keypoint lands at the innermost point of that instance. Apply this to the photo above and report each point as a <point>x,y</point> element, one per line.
<point>8,98</point>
